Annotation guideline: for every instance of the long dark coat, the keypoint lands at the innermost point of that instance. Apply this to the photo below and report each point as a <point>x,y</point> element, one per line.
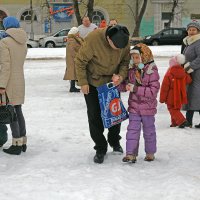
<point>192,54</point>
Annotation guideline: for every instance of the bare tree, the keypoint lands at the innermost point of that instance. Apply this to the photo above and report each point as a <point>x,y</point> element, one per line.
<point>90,9</point>
<point>89,4</point>
<point>171,17</point>
<point>138,16</point>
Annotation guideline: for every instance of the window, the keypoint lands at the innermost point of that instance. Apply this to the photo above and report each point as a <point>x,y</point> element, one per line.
<point>167,32</point>
<point>62,33</point>
<point>195,16</point>
<point>97,17</point>
<point>177,32</point>
<point>166,16</point>
<point>26,16</point>
<point>60,1</point>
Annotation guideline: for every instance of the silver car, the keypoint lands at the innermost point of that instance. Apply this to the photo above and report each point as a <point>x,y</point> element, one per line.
<point>32,44</point>
<point>58,39</point>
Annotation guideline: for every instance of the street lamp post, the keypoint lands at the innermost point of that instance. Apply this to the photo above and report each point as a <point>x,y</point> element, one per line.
<point>31,9</point>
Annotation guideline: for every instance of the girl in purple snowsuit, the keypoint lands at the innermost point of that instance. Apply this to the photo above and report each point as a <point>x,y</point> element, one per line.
<point>143,84</point>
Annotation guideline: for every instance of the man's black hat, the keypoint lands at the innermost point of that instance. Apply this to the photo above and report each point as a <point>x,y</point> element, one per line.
<point>119,35</point>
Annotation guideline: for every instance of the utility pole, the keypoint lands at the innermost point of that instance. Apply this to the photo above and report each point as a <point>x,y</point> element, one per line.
<point>48,16</point>
<point>31,9</point>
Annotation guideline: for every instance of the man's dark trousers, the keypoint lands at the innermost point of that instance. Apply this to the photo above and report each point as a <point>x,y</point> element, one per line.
<point>96,124</point>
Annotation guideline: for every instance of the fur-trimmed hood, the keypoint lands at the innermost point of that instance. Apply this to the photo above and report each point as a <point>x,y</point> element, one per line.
<point>191,39</point>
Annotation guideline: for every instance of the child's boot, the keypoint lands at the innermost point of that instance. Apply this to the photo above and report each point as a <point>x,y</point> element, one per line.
<point>149,157</point>
<point>16,147</point>
<point>129,159</point>
<point>184,124</point>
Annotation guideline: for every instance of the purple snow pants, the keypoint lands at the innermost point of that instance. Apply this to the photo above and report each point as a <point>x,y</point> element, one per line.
<point>133,133</point>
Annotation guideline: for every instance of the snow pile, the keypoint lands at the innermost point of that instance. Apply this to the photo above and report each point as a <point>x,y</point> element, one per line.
<point>59,53</point>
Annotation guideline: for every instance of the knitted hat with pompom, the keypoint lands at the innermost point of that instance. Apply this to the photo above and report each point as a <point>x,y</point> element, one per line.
<point>195,24</point>
<point>177,60</point>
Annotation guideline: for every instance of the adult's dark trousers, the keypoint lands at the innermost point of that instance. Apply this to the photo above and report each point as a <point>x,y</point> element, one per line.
<point>96,125</point>
<point>189,115</point>
<point>18,127</point>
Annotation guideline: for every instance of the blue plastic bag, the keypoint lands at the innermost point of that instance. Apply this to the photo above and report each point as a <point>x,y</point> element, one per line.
<point>112,109</point>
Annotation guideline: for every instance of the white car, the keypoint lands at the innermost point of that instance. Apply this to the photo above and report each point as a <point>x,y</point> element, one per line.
<point>58,39</point>
<point>32,44</point>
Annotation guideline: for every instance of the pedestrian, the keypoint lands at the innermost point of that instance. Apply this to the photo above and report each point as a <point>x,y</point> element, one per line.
<point>13,50</point>
<point>173,90</point>
<point>103,24</point>
<point>86,27</point>
<point>143,85</point>
<point>191,50</point>
<point>112,22</point>
<point>103,57</point>
<point>74,42</point>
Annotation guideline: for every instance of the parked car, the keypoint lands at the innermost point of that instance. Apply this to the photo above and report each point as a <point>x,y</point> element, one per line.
<point>168,36</point>
<point>58,39</point>
<point>32,44</point>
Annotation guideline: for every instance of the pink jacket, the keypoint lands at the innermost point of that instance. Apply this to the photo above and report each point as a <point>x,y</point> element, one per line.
<point>143,101</point>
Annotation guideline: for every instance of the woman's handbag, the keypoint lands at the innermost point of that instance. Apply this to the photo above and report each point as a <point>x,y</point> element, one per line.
<point>112,109</point>
<point>7,111</point>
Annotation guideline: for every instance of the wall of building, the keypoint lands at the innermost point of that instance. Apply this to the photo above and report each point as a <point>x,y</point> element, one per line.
<point>122,10</point>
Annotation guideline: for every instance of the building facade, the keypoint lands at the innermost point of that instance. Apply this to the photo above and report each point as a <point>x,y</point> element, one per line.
<point>49,16</point>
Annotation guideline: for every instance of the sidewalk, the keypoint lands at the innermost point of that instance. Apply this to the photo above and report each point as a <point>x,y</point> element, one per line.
<point>59,53</point>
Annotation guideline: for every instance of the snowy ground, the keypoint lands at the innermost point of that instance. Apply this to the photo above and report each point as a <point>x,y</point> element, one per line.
<point>58,164</point>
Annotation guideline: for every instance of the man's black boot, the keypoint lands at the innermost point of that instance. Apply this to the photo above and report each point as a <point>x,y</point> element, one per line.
<point>99,158</point>
<point>117,149</point>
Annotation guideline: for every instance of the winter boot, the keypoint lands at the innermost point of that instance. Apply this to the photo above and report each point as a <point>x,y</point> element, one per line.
<point>72,87</point>
<point>149,157</point>
<point>24,146</point>
<point>184,124</point>
<point>118,149</point>
<point>99,158</point>
<point>197,126</point>
<point>129,159</point>
<point>16,147</point>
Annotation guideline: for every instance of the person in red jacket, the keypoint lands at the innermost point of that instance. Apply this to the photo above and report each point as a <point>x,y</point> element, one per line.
<point>173,90</point>
<point>103,24</point>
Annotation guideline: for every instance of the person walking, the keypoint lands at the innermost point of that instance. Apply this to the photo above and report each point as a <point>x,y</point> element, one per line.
<point>191,50</point>
<point>13,50</point>
<point>74,42</point>
<point>103,57</point>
